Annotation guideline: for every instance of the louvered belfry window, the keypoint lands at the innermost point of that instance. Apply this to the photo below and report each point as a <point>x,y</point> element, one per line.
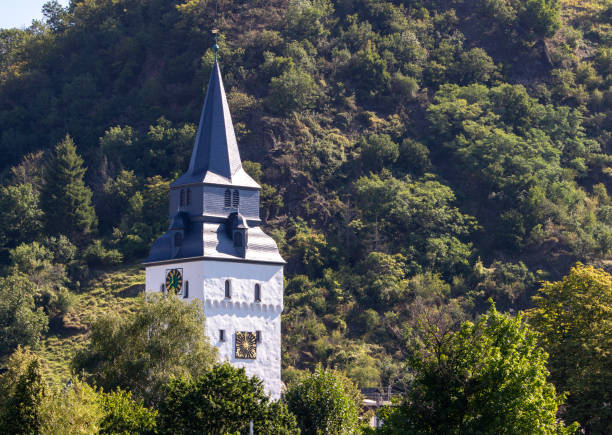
<point>236,199</point>
<point>182,201</point>
<point>228,198</point>
<point>188,196</point>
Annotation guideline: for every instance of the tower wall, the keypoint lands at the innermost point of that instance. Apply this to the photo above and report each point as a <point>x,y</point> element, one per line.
<point>238,313</point>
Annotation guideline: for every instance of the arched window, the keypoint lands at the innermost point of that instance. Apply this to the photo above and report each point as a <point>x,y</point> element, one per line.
<point>236,199</point>
<point>257,293</point>
<point>238,239</point>
<point>178,239</point>
<point>228,198</point>
<point>188,196</point>
<point>182,200</point>
<point>228,289</point>
<point>186,290</point>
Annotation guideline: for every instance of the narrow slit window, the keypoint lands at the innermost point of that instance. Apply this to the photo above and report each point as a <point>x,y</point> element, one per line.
<point>236,199</point>
<point>162,288</point>
<point>228,289</point>
<point>257,293</point>
<point>178,239</point>
<point>188,196</point>
<point>182,200</point>
<point>228,198</point>
<point>258,336</point>
<point>186,291</point>
<point>221,334</point>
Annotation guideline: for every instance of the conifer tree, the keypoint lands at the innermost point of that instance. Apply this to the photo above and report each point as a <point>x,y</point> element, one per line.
<point>65,198</point>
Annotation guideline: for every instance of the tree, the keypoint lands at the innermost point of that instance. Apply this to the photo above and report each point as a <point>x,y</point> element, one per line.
<point>378,151</point>
<point>488,377</point>
<point>574,319</point>
<point>325,402</point>
<point>20,322</point>
<point>542,18</point>
<point>20,215</point>
<point>142,350</point>
<point>292,90</point>
<point>123,415</point>
<point>65,198</point>
<point>222,400</point>
<point>22,392</point>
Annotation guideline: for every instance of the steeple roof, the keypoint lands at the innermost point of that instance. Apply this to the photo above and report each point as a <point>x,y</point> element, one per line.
<point>215,158</point>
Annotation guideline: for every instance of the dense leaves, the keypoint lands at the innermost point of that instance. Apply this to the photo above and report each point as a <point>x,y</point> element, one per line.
<point>325,402</point>
<point>574,319</point>
<point>142,351</point>
<point>488,377</point>
<point>222,400</point>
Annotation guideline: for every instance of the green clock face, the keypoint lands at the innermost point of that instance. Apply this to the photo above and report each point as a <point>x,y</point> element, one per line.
<point>174,280</point>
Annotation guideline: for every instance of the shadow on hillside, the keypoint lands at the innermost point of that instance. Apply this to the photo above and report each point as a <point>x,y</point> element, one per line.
<point>132,291</point>
<point>57,327</point>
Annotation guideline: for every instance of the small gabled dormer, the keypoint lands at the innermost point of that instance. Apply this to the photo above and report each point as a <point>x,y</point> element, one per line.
<point>238,230</point>
<point>178,228</point>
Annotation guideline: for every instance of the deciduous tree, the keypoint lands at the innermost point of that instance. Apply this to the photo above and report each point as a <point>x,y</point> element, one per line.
<point>574,318</point>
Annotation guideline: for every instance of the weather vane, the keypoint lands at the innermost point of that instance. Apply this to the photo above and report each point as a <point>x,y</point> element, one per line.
<point>216,46</point>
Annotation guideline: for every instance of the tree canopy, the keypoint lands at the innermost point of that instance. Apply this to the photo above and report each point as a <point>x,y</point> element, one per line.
<point>142,351</point>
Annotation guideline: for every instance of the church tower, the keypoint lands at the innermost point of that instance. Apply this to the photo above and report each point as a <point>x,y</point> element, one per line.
<point>215,250</point>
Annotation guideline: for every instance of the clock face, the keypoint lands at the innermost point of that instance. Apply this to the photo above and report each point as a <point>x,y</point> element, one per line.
<point>246,345</point>
<point>174,280</point>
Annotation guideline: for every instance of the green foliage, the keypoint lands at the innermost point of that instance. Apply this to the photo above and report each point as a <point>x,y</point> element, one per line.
<point>141,351</point>
<point>22,391</point>
<point>325,402</point>
<point>293,90</point>
<point>540,17</point>
<point>378,151</point>
<point>427,226</point>
<point>123,415</point>
<point>369,71</point>
<point>486,377</point>
<point>222,400</point>
<point>98,255</point>
<point>21,219</point>
<point>20,322</point>
<point>65,198</point>
<point>574,322</point>
<point>72,409</point>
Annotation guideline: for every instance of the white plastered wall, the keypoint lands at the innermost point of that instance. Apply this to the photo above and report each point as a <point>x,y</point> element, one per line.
<point>239,313</point>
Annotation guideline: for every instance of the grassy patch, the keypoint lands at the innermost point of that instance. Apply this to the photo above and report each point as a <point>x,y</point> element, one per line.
<point>114,291</point>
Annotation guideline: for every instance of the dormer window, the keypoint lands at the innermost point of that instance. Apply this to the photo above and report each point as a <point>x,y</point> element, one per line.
<point>182,200</point>
<point>236,199</point>
<point>228,198</point>
<point>228,289</point>
<point>257,292</point>
<point>188,199</point>
<point>178,239</point>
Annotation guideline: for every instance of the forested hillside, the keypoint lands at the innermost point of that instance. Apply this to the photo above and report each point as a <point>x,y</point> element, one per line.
<point>415,157</point>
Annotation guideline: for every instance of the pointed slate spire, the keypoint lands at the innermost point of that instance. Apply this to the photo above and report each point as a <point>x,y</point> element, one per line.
<point>215,158</point>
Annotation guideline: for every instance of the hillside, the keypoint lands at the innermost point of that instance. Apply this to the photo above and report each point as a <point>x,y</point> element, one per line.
<point>413,155</point>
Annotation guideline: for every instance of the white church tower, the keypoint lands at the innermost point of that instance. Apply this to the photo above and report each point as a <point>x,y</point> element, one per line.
<point>216,251</point>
